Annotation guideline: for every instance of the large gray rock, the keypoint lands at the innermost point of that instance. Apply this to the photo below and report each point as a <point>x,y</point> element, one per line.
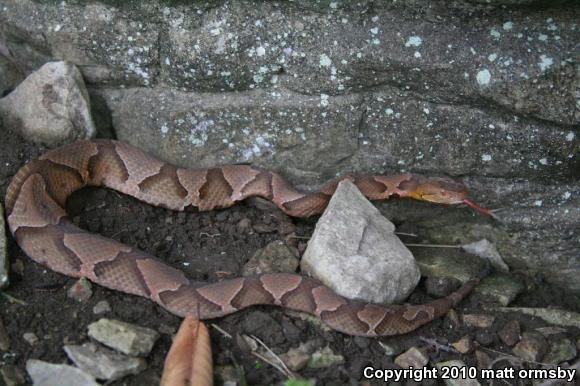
<point>51,106</point>
<point>354,251</point>
<point>456,53</point>
<point>50,374</point>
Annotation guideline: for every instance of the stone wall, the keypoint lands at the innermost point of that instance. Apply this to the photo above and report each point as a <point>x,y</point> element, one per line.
<point>318,88</point>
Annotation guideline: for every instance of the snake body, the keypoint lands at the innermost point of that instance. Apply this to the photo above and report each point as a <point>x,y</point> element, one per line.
<point>35,203</point>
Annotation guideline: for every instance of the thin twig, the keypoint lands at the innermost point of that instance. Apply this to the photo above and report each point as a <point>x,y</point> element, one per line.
<point>274,365</point>
<point>406,234</point>
<point>289,373</point>
<point>12,299</point>
<point>434,245</point>
<point>221,331</point>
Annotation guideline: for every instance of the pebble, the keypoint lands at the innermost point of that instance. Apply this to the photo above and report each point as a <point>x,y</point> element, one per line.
<point>484,361</point>
<point>499,288</point>
<point>464,344</point>
<point>531,347</point>
<point>297,358</point>
<point>50,374</point>
<point>412,357</point>
<point>127,338</point>
<point>101,307</point>
<point>487,250</point>
<point>478,320</point>
<point>102,363</point>
<point>30,338</point>
<point>274,257</point>
<point>81,290</point>
<point>485,337</point>
<point>510,333</point>
<point>244,226</point>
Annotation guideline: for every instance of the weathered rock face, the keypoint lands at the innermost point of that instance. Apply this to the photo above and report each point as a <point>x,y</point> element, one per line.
<point>316,88</point>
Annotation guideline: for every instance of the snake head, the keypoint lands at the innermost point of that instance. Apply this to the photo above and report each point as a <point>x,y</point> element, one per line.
<point>439,190</point>
<point>442,190</point>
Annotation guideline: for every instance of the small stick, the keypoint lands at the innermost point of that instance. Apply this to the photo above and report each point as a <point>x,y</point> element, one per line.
<point>434,245</point>
<point>221,330</point>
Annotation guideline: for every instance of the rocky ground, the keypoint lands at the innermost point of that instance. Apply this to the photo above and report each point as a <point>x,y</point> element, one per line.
<point>482,91</point>
<point>40,317</point>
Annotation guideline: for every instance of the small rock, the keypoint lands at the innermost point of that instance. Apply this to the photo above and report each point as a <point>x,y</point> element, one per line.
<point>453,318</point>
<point>50,374</point>
<point>81,290</point>
<point>167,329</point>
<point>3,251</point>
<point>354,251</point>
<point>457,381</point>
<point>324,358</point>
<point>51,106</point>
<point>245,225</point>
<point>391,348</point>
<point>459,266</point>
<point>101,307</point>
<point>274,257</point>
<point>500,288</point>
<point>4,337</point>
<point>531,347</point>
<point>487,250</point>
<point>286,227</point>
<point>441,286</point>
<point>478,320</point>
<point>264,228</point>
<point>510,333</point>
<point>485,336</point>
<point>484,361</point>
<point>12,375</point>
<point>561,350</point>
<point>297,358</point>
<point>412,357</point>
<point>30,338</point>
<point>102,363</point>
<point>464,344</point>
<point>127,338</point>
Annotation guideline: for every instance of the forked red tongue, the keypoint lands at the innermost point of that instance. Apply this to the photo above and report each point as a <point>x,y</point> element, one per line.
<point>489,212</point>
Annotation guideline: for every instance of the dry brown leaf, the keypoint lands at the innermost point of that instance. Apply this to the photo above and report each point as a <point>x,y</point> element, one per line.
<point>189,361</point>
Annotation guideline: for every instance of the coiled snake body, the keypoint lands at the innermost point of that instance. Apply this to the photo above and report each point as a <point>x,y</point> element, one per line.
<point>35,202</point>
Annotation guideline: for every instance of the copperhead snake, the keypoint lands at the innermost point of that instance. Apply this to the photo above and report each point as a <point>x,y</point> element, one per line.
<point>35,202</point>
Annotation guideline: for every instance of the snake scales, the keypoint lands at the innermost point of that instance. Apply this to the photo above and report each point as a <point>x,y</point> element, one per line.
<point>35,202</point>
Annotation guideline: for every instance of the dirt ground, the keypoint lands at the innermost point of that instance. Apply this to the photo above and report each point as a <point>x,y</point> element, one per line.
<point>203,245</point>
